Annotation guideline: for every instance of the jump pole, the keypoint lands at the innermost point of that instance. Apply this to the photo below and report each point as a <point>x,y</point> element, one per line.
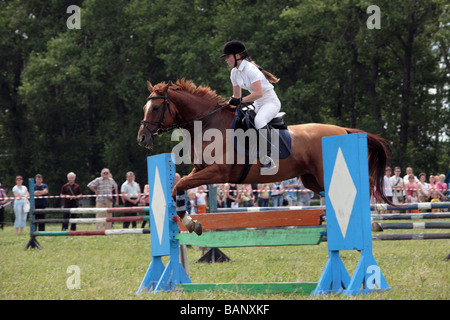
<point>347,200</point>
<point>163,228</point>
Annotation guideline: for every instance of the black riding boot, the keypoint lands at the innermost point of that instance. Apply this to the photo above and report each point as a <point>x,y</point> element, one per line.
<point>266,160</point>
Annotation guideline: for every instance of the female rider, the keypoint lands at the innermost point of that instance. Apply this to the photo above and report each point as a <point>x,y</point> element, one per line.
<point>249,76</point>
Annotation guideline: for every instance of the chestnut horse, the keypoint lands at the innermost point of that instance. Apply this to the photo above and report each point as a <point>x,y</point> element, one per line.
<point>178,105</point>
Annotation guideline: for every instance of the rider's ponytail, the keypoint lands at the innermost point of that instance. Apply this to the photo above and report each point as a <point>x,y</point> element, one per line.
<point>270,77</point>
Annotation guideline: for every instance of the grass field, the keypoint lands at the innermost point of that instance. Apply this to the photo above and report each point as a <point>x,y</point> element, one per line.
<point>112,268</point>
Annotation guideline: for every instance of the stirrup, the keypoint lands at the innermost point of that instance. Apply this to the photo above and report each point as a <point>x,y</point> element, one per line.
<point>268,164</point>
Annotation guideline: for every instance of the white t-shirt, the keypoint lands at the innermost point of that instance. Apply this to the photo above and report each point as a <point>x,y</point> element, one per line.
<point>246,74</point>
<point>132,189</point>
<point>425,189</point>
<point>387,186</point>
<point>397,183</point>
<point>21,191</point>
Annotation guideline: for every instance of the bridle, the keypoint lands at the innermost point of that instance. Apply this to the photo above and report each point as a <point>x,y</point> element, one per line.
<point>160,125</point>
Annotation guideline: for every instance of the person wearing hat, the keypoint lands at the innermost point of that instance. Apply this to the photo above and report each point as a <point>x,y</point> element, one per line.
<point>245,74</point>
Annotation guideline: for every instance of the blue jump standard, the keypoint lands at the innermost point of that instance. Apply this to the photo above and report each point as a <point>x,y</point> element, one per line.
<point>348,217</point>
<point>161,179</point>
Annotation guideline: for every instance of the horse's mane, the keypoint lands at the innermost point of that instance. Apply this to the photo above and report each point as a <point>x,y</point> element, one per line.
<point>190,87</point>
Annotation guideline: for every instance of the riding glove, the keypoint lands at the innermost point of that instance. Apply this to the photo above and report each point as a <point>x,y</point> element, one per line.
<point>235,101</point>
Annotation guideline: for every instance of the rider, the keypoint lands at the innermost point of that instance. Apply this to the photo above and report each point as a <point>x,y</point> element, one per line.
<point>248,75</point>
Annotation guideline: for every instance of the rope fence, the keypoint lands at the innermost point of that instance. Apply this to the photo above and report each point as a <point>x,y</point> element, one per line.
<point>146,194</point>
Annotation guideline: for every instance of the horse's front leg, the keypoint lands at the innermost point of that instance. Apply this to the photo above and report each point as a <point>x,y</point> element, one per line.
<point>208,175</point>
<point>181,186</point>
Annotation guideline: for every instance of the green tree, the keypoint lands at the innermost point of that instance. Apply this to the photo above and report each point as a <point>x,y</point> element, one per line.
<point>71,100</point>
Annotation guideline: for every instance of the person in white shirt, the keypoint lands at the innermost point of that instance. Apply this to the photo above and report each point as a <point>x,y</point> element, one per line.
<point>131,195</point>
<point>245,74</point>
<point>388,183</point>
<point>409,171</point>
<point>423,188</point>
<point>398,186</point>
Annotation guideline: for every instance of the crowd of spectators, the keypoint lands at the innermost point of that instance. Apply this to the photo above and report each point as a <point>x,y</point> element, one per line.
<point>408,188</point>
<point>290,192</point>
<point>413,189</point>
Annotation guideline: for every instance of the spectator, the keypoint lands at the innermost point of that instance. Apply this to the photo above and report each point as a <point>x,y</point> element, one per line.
<point>145,197</point>
<point>398,186</point>
<point>2,209</point>
<point>71,194</point>
<point>388,183</point>
<point>145,201</point>
<point>434,199</point>
<point>413,198</point>
<point>20,193</point>
<point>441,186</point>
<point>409,171</point>
<point>410,188</point>
<point>232,195</point>
<point>411,185</point>
<point>255,191</point>
<point>247,196</point>
<point>432,183</point>
<point>277,194</point>
<point>423,188</point>
<point>200,197</point>
<point>40,189</point>
<point>304,194</point>
<point>264,194</point>
<point>114,191</point>
<point>191,205</point>
<point>221,203</point>
<point>131,194</point>
<point>102,187</point>
<point>291,195</point>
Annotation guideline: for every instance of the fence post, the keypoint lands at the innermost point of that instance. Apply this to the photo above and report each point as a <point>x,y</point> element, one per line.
<point>163,228</point>
<point>347,197</point>
<point>32,243</point>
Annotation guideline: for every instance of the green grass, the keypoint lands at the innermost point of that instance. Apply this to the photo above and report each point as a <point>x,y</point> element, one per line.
<point>112,267</point>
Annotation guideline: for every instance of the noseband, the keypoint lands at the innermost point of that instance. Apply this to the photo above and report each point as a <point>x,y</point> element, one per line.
<point>160,125</point>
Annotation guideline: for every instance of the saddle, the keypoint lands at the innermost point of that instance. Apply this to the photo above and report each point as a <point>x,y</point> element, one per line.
<point>247,119</point>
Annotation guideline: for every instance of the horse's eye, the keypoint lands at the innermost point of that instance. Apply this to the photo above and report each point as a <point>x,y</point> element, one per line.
<point>155,108</point>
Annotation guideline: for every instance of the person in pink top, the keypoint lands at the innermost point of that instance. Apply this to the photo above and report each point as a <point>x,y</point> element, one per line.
<point>441,187</point>
<point>410,185</point>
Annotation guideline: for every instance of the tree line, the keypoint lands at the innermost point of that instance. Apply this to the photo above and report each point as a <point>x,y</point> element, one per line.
<point>71,99</point>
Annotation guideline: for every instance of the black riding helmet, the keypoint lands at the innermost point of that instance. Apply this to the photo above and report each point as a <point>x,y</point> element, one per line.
<point>234,47</point>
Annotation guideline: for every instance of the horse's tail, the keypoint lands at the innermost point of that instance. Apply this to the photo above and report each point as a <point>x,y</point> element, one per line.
<point>378,161</point>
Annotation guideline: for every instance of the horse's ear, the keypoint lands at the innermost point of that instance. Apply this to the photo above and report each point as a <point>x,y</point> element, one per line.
<point>149,86</point>
<point>164,88</point>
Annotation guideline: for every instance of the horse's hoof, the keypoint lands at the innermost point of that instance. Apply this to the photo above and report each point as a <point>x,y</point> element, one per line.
<point>198,228</point>
<point>195,226</point>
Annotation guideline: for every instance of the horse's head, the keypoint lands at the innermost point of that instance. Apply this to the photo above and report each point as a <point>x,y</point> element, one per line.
<point>158,115</point>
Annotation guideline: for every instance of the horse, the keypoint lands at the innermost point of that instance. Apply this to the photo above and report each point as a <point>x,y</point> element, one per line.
<point>180,104</point>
